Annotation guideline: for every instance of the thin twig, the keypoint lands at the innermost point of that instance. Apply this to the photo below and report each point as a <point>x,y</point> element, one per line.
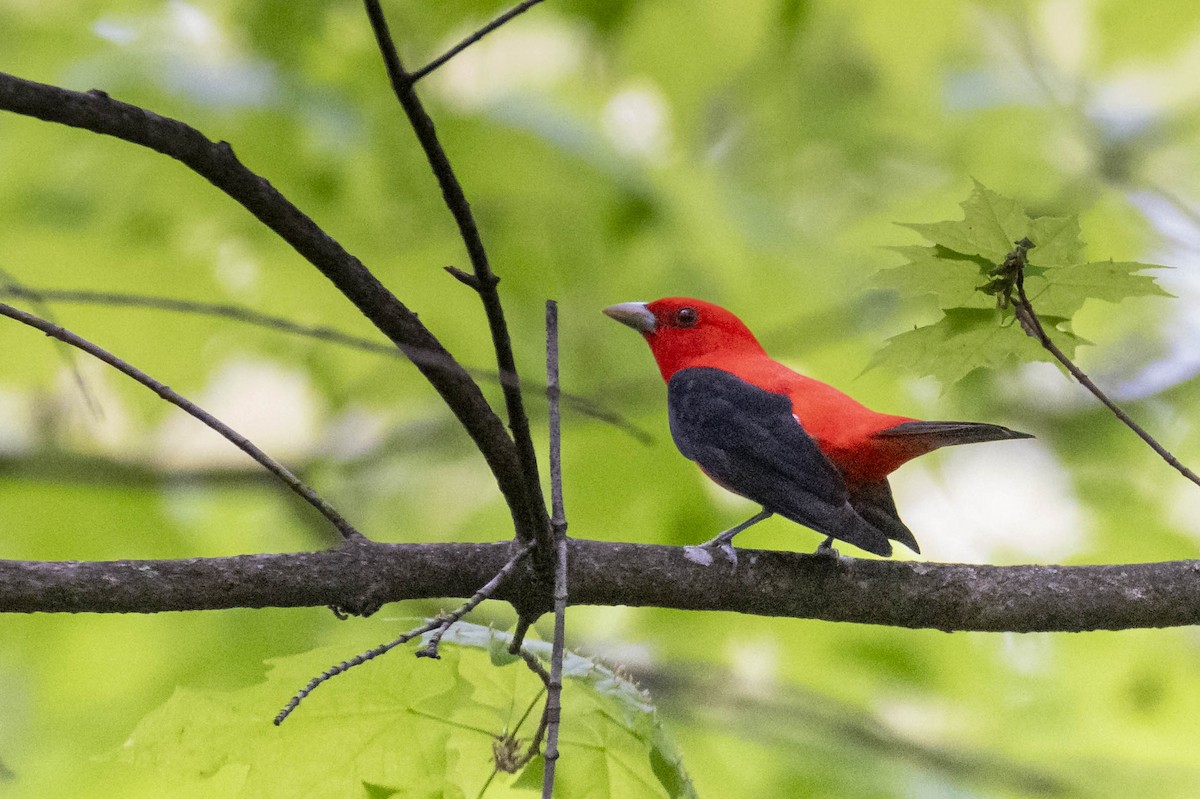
<point>535,523</point>
<point>413,77</point>
<point>439,625</point>
<point>1032,325</point>
<point>10,284</point>
<point>506,744</point>
<point>346,665</point>
<point>250,316</point>
<point>558,517</point>
<point>535,743</point>
<point>430,650</point>
<point>535,665</point>
<point>1029,320</point>
<point>53,465</point>
<point>558,523</point>
<point>237,439</point>
<point>519,632</point>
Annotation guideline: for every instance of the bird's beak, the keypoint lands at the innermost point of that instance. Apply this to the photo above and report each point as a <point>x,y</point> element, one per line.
<point>634,314</point>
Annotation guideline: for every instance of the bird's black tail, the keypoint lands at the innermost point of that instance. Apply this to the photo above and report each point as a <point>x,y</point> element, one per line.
<point>946,434</point>
<point>874,503</point>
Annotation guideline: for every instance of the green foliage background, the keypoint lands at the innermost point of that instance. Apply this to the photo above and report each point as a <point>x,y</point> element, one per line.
<point>756,154</point>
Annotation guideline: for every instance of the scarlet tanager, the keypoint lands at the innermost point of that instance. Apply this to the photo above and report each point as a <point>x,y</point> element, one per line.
<point>796,446</point>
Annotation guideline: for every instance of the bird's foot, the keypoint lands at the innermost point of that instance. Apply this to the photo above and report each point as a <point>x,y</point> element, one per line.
<point>702,553</point>
<point>723,543</point>
<point>825,549</point>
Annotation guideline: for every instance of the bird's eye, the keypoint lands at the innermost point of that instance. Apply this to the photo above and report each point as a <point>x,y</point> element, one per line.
<point>686,317</point>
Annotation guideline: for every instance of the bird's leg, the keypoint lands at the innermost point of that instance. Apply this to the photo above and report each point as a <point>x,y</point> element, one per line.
<point>702,553</point>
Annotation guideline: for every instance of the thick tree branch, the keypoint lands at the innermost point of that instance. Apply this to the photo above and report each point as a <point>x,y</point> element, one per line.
<point>216,162</point>
<point>362,574</point>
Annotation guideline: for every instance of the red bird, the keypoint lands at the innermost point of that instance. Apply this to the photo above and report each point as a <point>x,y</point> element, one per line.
<point>794,445</point>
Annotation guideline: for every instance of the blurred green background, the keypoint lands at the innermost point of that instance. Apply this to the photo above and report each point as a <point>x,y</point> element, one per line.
<point>756,154</point>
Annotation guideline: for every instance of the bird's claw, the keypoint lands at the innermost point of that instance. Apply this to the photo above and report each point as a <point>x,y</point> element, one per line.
<point>702,553</point>
<point>826,550</point>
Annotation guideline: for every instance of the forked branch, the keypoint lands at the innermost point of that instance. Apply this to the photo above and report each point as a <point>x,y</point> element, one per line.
<point>215,161</point>
<point>535,523</point>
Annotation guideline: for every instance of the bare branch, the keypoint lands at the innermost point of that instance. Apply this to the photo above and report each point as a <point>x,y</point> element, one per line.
<point>552,715</point>
<point>535,665</point>
<point>1032,326</point>
<point>346,665</point>
<point>506,745</point>
<point>558,517</point>
<point>534,523</point>
<point>216,162</point>
<point>53,465</point>
<point>519,633</point>
<point>234,437</point>
<point>793,716</point>
<point>470,40</point>
<point>362,574</point>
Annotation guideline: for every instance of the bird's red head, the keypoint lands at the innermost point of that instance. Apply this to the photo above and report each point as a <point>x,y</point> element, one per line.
<point>684,332</point>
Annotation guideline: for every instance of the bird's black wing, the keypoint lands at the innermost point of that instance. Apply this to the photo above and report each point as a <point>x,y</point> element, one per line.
<point>748,440</point>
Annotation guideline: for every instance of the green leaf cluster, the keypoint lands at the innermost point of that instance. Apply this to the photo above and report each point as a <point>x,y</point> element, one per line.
<point>959,268</point>
<point>405,726</point>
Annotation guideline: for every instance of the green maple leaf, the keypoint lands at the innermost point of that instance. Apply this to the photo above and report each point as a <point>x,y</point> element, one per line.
<point>963,270</point>
<point>953,278</point>
<point>990,225</point>
<point>965,339</point>
<point>1056,240</point>
<point>402,726</point>
<point>1062,291</point>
